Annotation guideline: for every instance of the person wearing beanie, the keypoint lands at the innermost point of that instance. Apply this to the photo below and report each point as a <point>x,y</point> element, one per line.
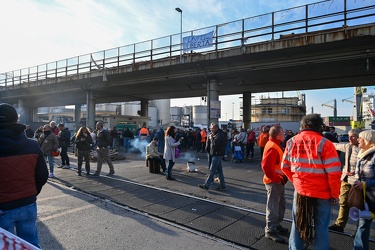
<point>23,174</point>
<point>365,178</point>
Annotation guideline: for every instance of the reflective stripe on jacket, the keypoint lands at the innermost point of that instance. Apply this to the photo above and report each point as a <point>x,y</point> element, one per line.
<point>277,165</point>
<point>311,163</point>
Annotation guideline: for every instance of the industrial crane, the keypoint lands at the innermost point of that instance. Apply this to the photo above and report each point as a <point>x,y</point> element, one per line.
<point>357,107</point>
<point>334,107</point>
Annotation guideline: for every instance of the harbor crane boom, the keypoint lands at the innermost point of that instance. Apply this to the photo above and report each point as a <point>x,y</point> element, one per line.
<point>334,107</point>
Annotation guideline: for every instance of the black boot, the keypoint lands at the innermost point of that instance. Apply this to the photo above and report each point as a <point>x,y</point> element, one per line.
<point>87,170</point>
<point>79,170</point>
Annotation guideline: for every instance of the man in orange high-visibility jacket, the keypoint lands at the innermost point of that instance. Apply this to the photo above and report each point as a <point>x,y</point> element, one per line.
<point>311,163</point>
<point>274,180</point>
<point>263,139</point>
<point>144,133</point>
<point>204,139</point>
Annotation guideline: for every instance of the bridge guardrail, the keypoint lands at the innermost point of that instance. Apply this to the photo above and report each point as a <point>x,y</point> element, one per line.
<point>304,19</point>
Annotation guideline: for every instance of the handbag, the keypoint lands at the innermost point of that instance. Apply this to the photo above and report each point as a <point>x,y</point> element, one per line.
<point>356,198</point>
<point>55,153</point>
<point>177,152</point>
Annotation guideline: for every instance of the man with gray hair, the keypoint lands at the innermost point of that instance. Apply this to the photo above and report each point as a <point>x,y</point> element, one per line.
<point>274,180</point>
<point>347,178</point>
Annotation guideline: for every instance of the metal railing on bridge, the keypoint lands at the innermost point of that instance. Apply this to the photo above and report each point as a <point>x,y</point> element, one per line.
<point>330,14</point>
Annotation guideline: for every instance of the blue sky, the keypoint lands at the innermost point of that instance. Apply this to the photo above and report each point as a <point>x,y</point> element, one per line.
<point>37,32</point>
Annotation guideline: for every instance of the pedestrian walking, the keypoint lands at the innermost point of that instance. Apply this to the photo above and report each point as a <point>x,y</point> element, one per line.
<point>103,142</point>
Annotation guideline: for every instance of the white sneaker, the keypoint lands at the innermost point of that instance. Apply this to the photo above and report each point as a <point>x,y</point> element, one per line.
<point>66,167</point>
<point>51,175</point>
<point>60,166</point>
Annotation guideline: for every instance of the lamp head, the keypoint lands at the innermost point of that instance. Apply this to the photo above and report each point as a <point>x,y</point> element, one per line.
<point>179,10</point>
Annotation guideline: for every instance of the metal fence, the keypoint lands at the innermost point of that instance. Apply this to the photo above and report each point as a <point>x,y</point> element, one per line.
<point>304,19</point>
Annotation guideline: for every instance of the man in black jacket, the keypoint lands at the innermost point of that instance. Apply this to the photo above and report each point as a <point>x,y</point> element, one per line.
<point>23,174</point>
<point>64,143</point>
<point>103,142</point>
<point>217,151</point>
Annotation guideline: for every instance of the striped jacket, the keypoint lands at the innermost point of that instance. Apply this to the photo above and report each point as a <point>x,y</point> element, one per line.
<point>311,163</point>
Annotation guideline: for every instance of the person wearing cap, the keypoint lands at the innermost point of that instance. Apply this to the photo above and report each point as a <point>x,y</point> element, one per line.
<point>64,143</point>
<point>23,174</point>
<point>153,153</point>
<point>365,178</point>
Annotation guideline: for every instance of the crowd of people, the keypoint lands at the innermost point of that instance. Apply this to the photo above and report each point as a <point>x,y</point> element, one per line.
<point>308,159</point>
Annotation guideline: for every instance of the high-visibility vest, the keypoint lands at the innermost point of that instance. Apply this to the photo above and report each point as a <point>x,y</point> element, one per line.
<point>203,136</point>
<point>263,139</point>
<point>269,145</point>
<point>312,163</point>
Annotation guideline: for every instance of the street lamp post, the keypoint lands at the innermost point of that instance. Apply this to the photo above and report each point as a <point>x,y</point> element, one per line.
<point>233,110</point>
<point>180,10</point>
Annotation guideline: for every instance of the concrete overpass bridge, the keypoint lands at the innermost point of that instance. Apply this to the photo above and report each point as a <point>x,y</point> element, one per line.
<point>329,44</point>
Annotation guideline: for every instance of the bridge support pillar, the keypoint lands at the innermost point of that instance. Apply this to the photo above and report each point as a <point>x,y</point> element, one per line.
<point>246,108</point>
<point>90,119</point>
<point>144,109</point>
<point>77,116</point>
<point>212,102</point>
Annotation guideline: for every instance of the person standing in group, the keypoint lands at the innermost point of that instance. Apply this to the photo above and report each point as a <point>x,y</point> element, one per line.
<point>153,153</point>
<point>64,143</point>
<point>347,178</point>
<point>217,151</point>
<point>311,163</point>
<point>38,133</point>
<point>365,178</point>
<point>160,135</point>
<point>48,143</point>
<point>128,136</point>
<point>144,133</point>
<point>83,142</point>
<point>29,132</point>
<point>274,179</point>
<point>54,129</point>
<point>198,139</point>
<point>23,174</point>
<point>103,142</point>
<point>203,139</point>
<point>263,139</point>
<point>250,144</point>
<point>169,149</point>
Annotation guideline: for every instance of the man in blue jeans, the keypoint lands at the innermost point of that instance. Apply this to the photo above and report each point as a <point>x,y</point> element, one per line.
<point>23,174</point>
<point>217,151</point>
<point>311,163</point>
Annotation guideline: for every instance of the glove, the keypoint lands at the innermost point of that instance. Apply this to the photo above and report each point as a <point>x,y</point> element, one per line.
<point>283,179</point>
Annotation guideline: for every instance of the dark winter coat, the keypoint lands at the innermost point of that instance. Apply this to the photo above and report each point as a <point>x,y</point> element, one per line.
<point>23,168</point>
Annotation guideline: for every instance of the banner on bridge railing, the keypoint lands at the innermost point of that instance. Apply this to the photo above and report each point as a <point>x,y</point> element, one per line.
<point>9,241</point>
<point>197,42</point>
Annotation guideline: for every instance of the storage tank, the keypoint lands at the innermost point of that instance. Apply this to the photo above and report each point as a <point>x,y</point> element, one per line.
<point>186,110</point>
<point>176,113</point>
<point>130,108</point>
<point>199,114</point>
<point>163,106</point>
<point>153,117</point>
